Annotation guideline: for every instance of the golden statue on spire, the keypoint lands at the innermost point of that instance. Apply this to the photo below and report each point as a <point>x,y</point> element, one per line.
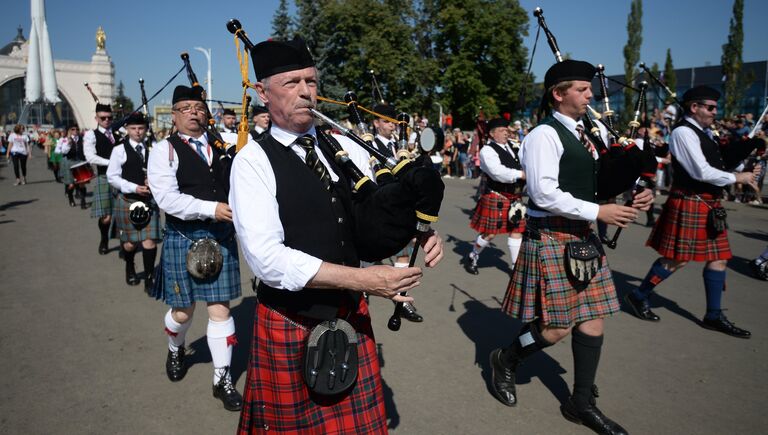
<point>101,39</point>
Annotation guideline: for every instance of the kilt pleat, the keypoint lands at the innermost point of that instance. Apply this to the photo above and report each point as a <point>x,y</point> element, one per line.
<point>539,286</point>
<point>126,231</point>
<point>276,398</point>
<point>179,288</point>
<point>491,214</point>
<point>681,231</point>
<point>103,198</point>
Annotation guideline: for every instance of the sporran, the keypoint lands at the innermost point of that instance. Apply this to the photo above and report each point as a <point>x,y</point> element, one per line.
<point>204,259</point>
<point>330,358</point>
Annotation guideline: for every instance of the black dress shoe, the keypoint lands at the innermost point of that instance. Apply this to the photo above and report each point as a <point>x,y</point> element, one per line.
<point>103,248</point>
<point>592,418</point>
<point>409,313</point>
<point>642,309</point>
<point>722,324</point>
<point>759,270</point>
<point>148,284</point>
<point>470,264</point>
<point>174,365</point>
<point>226,392</point>
<point>503,379</point>
<point>72,203</point>
<point>131,278</point>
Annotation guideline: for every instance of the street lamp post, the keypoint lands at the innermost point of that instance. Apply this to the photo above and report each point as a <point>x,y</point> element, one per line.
<point>207,53</point>
<point>440,117</point>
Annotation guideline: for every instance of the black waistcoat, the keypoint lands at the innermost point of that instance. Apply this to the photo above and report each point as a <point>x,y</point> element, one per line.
<point>507,160</point>
<point>195,177</point>
<point>315,221</point>
<point>680,177</point>
<point>134,168</point>
<point>103,149</point>
<point>384,148</point>
<point>75,149</point>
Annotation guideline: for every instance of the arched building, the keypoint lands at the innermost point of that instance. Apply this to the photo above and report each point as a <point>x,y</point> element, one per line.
<point>76,102</point>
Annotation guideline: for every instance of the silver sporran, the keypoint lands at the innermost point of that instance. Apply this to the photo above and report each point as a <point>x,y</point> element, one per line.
<point>139,214</point>
<point>204,259</point>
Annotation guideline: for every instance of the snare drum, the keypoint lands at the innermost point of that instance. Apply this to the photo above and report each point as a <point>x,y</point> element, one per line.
<point>82,172</point>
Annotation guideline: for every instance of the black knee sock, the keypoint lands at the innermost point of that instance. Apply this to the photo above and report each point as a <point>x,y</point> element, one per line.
<point>69,193</point>
<point>149,261</point>
<point>81,189</point>
<point>528,342</point>
<point>129,256</point>
<point>586,356</point>
<point>104,229</point>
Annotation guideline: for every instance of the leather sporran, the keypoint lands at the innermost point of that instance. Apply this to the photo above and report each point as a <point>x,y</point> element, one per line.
<point>204,259</point>
<point>716,219</point>
<point>583,260</point>
<point>330,358</point>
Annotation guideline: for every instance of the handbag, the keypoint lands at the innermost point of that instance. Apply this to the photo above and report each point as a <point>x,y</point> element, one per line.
<point>330,358</point>
<point>583,260</point>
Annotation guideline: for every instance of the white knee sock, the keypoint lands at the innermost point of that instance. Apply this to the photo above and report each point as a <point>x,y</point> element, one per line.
<point>176,331</point>
<point>221,339</point>
<point>514,249</point>
<point>480,243</point>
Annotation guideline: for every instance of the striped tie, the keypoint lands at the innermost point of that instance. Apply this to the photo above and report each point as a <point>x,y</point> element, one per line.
<point>583,138</point>
<point>307,142</point>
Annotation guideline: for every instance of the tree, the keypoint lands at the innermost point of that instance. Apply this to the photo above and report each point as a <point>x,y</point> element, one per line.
<point>670,78</point>
<point>122,102</point>
<point>632,54</point>
<point>735,82</point>
<point>282,29</point>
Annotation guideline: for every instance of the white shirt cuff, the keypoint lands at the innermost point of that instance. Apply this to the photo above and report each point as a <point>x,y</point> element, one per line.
<point>208,209</point>
<point>591,210</point>
<point>302,269</point>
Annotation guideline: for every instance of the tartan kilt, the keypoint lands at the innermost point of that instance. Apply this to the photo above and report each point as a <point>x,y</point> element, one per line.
<point>64,170</point>
<point>177,287</point>
<point>103,198</point>
<point>126,231</point>
<point>540,288</point>
<point>276,397</point>
<point>491,214</point>
<point>681,231</point>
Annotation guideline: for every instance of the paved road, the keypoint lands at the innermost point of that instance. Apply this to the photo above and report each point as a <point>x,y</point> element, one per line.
<point>84,353</point>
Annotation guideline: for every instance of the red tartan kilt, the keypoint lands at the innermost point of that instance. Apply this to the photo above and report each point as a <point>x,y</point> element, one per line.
<point>491,215</point>
<point>276,398</point>
<point>681,232</point>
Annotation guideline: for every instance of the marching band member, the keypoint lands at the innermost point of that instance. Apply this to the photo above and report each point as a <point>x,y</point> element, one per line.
<point>290,203</point>
<point>553,297</point>
<point>185,177</point>
<point>229,121</point>
<point>127,173</point>
<point>98,144</point>
<point>71,149</point>
<point>260,116</point>
<point>499,210</point>
<point>687,229</point>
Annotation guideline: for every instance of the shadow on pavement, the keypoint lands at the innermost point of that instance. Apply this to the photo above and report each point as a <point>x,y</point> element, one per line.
<point>741,265</point>
<point>626,283</point>
<point>14,204</point>
<point>393,416</point>
<point>490,328</point>
<point>757,235</point>
<point>490,257</point>
<point>243,315</point>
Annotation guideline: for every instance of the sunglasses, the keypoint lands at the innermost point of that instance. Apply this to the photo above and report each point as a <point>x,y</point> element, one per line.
<point>105,118</point>
<point>709,107</point>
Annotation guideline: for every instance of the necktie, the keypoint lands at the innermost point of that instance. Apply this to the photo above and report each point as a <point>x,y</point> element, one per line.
<point>199,146</point>
<point>140,150</point>
<point>307,142</point>
<point>583,137</point>
<point>109,135</point>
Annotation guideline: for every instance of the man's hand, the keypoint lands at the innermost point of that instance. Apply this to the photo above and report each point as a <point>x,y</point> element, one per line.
<point>749,178</point>
<point>432,244</point>
<point>643,200</point>
<point>388,282</point>
<point>142,190</point>
<point>223,212</point>
<point>614,214</point>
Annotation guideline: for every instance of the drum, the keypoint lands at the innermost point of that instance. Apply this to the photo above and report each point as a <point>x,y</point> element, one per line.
<point>82,172</point>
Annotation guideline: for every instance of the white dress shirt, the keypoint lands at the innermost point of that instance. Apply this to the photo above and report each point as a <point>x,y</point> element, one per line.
<point>255,212</point>
<point>490,163</point>
<point>685,146</point>
<point>115,168</point>
<point>389,143</point>
<point>540,155</point>
<point>161,174</point>
<point>89,148</point>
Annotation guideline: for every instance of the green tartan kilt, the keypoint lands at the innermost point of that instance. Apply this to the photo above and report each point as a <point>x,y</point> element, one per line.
<point>65,172</point>
<point>103,198</point>
<point>127,232</point>
<point>540,287</point>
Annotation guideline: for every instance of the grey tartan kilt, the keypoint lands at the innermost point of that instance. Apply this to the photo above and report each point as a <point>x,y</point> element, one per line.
<point>126,231</point>
<point>178,287</point>
<point>64,170</point>
<point>103,198</point>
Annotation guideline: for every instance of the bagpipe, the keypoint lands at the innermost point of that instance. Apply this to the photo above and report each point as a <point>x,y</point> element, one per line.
<point>404,200</point>
<point>622,165</point>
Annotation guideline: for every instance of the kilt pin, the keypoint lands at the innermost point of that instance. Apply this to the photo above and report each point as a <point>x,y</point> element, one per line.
<point>681,231</point>
<point>276,397</point>
<point>491,215</point>
<point>539,287</point>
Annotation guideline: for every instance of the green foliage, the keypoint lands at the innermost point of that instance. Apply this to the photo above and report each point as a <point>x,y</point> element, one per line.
<point>122,102</point>
<point>632,55</point>
<point>282,28</point>
<point>736,82</point>
<point>670,78</point>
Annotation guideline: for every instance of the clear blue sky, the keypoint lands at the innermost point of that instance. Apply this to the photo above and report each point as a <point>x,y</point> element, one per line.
<point>145,38</point>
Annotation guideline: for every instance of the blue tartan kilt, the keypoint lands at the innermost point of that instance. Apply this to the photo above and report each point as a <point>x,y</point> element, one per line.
<point>103,198</point>
<point>180,289</point>
<point>126,231</point>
